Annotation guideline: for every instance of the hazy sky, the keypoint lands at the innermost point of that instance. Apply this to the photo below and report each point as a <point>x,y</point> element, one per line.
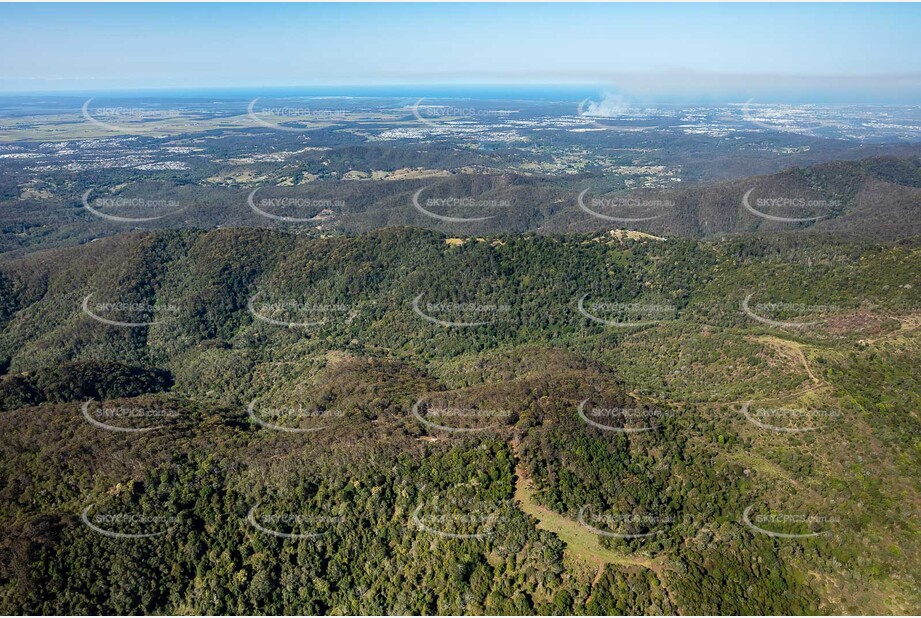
<point>640,48</point>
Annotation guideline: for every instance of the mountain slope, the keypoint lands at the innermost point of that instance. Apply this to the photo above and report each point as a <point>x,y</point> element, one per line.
<point>304,390</point>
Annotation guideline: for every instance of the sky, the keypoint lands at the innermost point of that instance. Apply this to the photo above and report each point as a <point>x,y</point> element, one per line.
<point>664,51</point>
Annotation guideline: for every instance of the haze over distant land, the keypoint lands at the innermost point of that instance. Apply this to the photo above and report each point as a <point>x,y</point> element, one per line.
<point>460,309</point>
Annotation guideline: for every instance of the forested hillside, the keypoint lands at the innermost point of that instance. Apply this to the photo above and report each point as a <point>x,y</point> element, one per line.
<point>250,421</point>
<point>874,199</point>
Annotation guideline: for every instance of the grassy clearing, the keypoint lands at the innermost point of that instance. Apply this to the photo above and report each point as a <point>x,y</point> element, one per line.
<point>581,544</point>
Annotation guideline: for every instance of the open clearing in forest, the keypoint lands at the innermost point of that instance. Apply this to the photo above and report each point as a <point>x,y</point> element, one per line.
<point>581,543</point>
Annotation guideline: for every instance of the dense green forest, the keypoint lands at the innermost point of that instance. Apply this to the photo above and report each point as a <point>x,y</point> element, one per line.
<point>347,425</point>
